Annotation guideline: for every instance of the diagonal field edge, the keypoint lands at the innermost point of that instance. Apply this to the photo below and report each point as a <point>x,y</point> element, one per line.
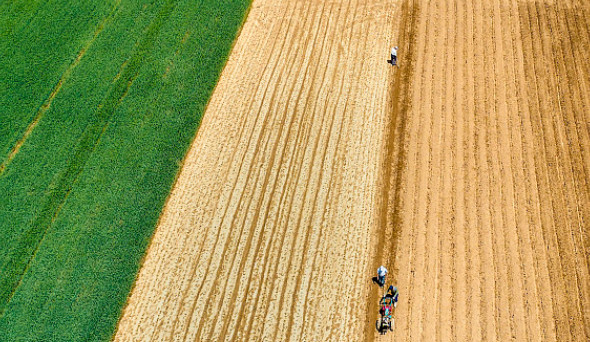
<point>24,251</point>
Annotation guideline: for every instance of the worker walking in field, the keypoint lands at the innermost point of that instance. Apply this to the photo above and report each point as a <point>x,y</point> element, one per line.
<point>394,56</point>
<point>381,273</point>
<point>393,293</point>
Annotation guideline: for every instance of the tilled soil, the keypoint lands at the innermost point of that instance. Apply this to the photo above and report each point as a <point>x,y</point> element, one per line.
<point>464,171</point>
<point>492,210</point>
<point>269,233</point>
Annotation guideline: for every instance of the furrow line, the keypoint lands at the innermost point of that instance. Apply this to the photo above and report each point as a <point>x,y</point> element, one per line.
<point>441,332</point>
<point>289,209</point>
<point>547,223</point>
<point>304,130</point>
<point>532,324</point>
<point>316,208</point>
<point>577,99</point>
<point>268,216</point>
<point>536,219</point>
<point>507,200</point>
<point>456,230</point>
<point>246,162</point>
<point>482,201</point>
<point>571,198</point>
<point>310,164</point>
<point>339,159</point>
<point>427,206</point>
<point>264,186</point>
<point>415,162</point>
<point>555,173</point>
<point>264,220</point>
<point>474,262</point>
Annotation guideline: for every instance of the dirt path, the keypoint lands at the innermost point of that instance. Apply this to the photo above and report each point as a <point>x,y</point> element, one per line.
<point>494,209</point>
<point>270,231</point>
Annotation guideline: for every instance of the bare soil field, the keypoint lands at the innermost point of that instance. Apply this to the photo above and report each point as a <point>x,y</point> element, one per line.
<point>465,171</point>
<point>492,208</point>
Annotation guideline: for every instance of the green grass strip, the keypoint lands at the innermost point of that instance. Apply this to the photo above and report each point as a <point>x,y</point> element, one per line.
<point>84,193</point>
<point>26,247</point>
<point>39,40</point>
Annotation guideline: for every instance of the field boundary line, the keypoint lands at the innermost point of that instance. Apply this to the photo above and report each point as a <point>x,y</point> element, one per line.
<point>399,103</point>
<point>176,177</point>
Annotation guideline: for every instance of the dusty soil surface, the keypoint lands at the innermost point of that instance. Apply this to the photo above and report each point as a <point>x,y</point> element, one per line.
<point>269,233</point>
<point>492,208</point>
<point>465,171</point>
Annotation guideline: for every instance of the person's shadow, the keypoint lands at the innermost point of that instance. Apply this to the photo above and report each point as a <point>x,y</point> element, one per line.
<point>376,281</point>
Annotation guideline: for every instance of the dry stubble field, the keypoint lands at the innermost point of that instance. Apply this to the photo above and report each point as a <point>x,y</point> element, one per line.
<point>465,171</point>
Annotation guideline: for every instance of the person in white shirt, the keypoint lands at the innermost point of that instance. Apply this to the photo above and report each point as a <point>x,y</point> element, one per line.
<point>394,56</point>
<point>381,273</point>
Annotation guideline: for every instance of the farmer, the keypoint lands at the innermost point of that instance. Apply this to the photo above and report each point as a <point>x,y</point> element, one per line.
<point>394,56</point>
<point>381,273</point>
<point>386,310</point>
<point>393,293</point>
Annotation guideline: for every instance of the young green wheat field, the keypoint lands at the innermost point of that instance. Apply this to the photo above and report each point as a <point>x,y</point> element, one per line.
<point>99,101</point>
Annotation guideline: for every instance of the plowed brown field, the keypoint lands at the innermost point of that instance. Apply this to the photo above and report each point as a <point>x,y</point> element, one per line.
<point>465,171</point>
<point>494,201</point>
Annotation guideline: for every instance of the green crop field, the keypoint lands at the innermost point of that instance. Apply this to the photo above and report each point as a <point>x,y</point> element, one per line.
<point>99,101</point>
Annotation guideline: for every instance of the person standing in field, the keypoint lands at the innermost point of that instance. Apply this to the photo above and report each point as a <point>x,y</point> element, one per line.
<point>394,56</point>
<point>381,273</point>
<point>393,293</point>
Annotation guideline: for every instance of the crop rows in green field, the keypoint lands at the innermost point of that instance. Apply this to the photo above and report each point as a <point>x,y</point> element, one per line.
<point>98,104</point>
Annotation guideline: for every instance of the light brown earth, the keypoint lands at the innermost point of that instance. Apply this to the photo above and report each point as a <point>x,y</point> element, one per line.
<point>469,165</point>
<point>493,206</point>
<point>269,232</point>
